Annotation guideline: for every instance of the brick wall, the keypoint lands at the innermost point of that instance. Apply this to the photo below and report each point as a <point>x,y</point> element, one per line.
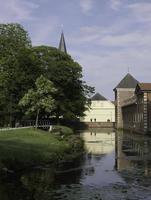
<point>137,116</point>
<point>121,95</point>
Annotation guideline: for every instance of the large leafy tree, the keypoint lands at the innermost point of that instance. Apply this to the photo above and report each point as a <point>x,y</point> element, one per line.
<point>72,92</point>
<point>40,98</point>
<point>18,70</point>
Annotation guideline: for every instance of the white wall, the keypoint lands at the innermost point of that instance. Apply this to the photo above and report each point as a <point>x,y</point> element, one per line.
<point>102,111</point>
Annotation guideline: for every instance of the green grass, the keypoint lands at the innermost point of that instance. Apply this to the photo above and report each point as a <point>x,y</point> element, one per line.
<point>24,148</point>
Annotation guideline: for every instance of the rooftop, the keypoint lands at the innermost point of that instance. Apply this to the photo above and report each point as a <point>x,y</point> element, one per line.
<point>98,97</point>
<point>145,86</point>
<point>127,82</point>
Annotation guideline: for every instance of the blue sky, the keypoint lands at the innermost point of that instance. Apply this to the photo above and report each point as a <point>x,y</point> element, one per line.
<point>106,37</point>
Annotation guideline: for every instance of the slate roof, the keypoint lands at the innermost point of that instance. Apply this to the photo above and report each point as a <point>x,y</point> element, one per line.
<point>98,97</point>
<point>127,82</point>
<point>62,44</point>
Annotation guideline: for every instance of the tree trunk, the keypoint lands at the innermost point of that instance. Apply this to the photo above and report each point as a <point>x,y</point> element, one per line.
<point>37,116</point>
<point>57,119</point>
<point>58,116</point>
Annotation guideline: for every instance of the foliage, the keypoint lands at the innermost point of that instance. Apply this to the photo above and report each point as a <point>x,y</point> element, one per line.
<point>13,38</point>
<point>71,98</point>
<point>19,69</point>
<point>40,98</point>
<point>62,130</point>
<point>76,143</point>
<point>20,66</point>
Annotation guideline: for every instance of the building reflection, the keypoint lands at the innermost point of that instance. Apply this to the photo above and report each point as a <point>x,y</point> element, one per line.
<point>133,152</point>
<point>100,158</point>
<point>99,142</point>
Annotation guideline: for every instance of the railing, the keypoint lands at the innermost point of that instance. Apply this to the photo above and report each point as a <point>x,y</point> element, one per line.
<point>32,123</point>
<point>9,128</point>
<point>29,124</point>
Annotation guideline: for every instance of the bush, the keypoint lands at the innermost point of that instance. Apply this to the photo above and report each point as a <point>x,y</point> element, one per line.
<point>76,143</point>
<point>62,130</point>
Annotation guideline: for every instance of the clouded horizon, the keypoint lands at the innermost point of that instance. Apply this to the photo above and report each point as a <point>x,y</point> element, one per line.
<point>106,37</point>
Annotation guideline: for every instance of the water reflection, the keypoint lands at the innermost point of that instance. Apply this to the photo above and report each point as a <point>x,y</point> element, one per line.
<point>108,155</point>
<point>133,152</point>
<point>100,147</point>
<point>12,189</point>
<point>98,142</point>
<point>38,181</point>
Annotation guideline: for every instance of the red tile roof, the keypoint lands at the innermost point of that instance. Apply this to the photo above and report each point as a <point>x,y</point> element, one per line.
<point>145,86</point>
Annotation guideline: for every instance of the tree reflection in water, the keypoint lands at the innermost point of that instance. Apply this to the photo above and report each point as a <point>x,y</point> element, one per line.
<point>110,159</point>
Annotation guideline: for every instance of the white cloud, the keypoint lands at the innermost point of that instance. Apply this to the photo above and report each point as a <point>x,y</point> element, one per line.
<point>115,4</point>
<point>86,5</point>
<point>116,35</point>
<point>89,34</point>
<point>16,10</point>
<point>141,11</point>
<point>105,72</point>
<point>127,40</point>
<point>109,51</point>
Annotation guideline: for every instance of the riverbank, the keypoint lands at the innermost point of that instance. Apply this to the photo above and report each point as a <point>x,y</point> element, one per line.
<point>26,148</point>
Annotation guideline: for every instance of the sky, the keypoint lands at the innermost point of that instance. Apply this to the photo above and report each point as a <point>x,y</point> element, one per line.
<point>108,38</point>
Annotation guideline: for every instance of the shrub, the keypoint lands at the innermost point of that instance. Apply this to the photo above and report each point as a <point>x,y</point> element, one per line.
<point>76,143</point>
<point>62,130</point>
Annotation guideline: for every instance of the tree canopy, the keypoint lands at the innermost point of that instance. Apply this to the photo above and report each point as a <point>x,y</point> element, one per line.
<point>19,70</point>
<point>20,66</point>
<point>13,38</point>
<point>66,74</point>
<point>40,98</point>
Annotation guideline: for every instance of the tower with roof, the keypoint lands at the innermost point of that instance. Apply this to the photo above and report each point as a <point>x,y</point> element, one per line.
<point>123,91</point>
<point>62,44</point>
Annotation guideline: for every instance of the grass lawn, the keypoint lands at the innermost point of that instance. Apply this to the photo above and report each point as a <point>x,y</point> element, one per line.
<point>29,147</point>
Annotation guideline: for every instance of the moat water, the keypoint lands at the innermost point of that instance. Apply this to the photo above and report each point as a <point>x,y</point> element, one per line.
<point>116,166</point>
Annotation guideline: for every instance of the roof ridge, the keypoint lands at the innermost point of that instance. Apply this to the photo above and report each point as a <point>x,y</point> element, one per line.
<point>98,97</point>
<point>127,82</point>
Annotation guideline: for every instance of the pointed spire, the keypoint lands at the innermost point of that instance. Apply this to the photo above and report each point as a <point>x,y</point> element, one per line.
<point>62,44</point>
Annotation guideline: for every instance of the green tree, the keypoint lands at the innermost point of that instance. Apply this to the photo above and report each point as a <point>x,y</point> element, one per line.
<point>40,98</point>
<point>71,100</point>
<point>19,70</point>
<point>13,37</point>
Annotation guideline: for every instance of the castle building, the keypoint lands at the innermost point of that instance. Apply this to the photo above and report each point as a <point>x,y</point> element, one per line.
<point>137,110</point>
<point>124,90</point>
<point>101,110</point>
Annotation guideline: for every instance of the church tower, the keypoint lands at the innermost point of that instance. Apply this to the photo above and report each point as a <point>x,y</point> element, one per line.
<point>62,44</point>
